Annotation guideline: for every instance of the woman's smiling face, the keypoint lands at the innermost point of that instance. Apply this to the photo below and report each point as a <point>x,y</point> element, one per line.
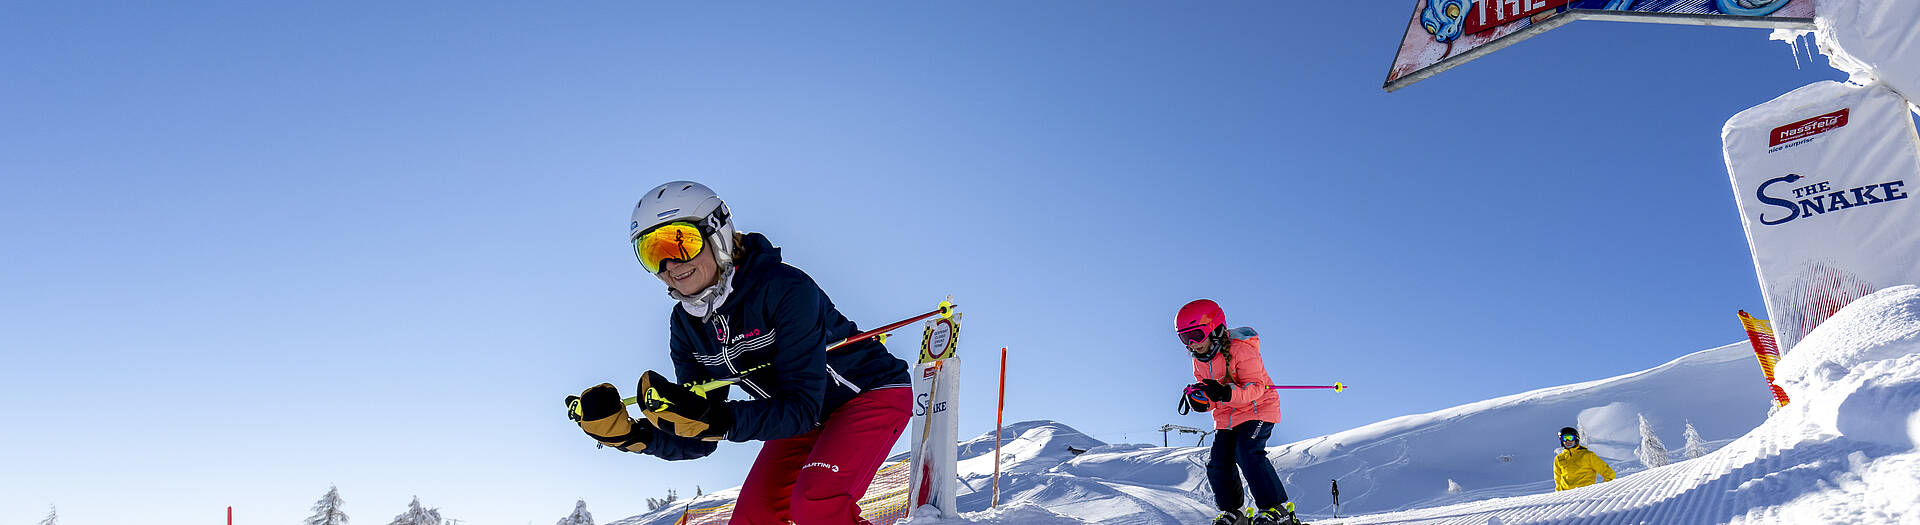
<point>690,277</point>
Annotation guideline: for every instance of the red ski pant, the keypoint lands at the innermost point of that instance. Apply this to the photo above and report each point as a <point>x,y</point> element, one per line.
<point>818,478</point>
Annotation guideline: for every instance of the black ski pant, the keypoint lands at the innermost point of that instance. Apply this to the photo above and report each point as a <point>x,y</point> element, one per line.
<point>1244,445</point>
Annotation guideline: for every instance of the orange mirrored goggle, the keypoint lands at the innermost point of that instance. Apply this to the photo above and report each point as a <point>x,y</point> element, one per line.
<point>673,241</point>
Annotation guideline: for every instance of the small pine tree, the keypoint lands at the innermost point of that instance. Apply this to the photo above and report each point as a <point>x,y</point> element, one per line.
<point>1696,446</point>
<point>1453,487</point>
<point>417,514</point>
<point>327,510</point>
<point>654,504</point>
<point>53,516</point>
<point>1652,452</point>
<point>580,515</point>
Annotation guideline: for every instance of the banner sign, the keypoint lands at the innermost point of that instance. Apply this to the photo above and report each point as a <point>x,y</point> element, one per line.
<point>935,476</point>
<point>1824,177</point>
<point>1447,33</point>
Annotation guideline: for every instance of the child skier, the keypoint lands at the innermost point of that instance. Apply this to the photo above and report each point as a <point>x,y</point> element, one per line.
<point>743,316</point>
<point>1233,384</point>
<point>1574,466</point>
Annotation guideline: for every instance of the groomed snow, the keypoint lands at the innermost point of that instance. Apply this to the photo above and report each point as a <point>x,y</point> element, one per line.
<point>1842,452</point>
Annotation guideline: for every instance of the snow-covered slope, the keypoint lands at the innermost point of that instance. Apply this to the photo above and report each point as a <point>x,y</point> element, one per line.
<point>1843,452</point>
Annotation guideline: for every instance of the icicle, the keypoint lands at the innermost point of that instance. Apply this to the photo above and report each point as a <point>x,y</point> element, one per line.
<point>1792,38</point>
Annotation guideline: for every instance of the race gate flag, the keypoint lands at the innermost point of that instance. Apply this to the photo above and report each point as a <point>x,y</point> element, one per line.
<point>1824,178</point>
<point>934,480</point>
<point>1760,333</point>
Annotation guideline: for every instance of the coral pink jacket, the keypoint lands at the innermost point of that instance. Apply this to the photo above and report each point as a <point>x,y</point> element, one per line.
<point>1240,367</point>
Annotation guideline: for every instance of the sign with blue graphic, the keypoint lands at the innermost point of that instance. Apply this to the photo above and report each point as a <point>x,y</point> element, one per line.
<point>1824,178</point>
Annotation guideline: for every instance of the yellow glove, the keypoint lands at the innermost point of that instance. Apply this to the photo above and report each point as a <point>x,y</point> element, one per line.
<point>604,417</point>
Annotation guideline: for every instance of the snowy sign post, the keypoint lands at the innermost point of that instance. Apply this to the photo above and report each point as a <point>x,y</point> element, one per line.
<point>934,480</point>
<point>1824,176</point>
<point>1447,33</point>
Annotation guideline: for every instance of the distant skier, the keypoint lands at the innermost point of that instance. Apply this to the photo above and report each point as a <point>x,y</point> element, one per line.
<point>1574,466</point>
<point>1233,384</point>
<point>828,420</point>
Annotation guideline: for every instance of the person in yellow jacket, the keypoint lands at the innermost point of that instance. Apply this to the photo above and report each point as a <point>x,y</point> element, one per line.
<point>1574,466</point>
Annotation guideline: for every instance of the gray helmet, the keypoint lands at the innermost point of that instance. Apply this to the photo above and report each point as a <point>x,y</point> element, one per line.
<point>686,201</point>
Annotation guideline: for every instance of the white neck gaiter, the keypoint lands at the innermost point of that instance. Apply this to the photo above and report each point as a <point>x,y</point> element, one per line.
<point>704,302</point>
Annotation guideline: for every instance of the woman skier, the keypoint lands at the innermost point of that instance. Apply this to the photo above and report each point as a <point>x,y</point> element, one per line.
<point>744,318</point>
<point>1233,384</point>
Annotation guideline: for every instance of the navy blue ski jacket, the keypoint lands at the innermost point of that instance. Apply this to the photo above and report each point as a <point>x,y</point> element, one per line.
<point>770,337</point>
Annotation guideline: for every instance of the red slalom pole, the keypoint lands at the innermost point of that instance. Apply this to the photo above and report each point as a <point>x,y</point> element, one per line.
<point>944,309</point>
<point>1337,387</point>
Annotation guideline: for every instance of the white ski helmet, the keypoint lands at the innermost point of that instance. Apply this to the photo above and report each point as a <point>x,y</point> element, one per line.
<point>686,201</point>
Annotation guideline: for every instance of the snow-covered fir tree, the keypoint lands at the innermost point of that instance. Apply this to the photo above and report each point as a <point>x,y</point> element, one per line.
<point>1696,446</point>
<point>1652,452</point>
<point>654,504</point>
<point>327,511</point>
<point>417,514</point>
<point>53,516</point>
<point>1453,487</point>
<point>580,515</point>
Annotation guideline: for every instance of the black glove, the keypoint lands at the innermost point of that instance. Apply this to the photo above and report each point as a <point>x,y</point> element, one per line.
<point>1216,391</point>
<point>1194,398</point>
<point>603,416</point>
<point>685,413</point>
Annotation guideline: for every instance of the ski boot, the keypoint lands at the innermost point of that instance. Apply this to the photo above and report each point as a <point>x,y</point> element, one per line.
<point>1281,515</point>
<point>1231,517</point>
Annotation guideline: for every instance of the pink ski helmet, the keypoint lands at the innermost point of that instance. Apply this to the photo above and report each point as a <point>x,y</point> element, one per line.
<point>1198,320</point>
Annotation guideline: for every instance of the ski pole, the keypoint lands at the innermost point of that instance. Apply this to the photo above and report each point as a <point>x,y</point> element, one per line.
<point>1336,387</point>
<point>945,310</point>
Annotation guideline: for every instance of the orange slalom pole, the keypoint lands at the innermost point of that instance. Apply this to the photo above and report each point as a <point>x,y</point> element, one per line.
<point>999,418</point>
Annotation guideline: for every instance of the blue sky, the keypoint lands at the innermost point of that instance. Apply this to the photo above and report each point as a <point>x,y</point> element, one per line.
<point>253,250</point>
